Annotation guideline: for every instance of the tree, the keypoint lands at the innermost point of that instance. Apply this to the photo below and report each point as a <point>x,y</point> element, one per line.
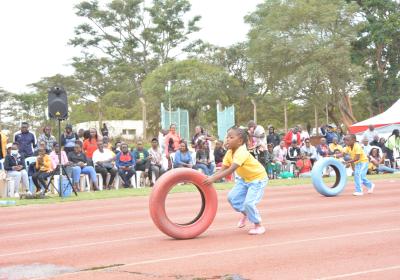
<point>377,49</point>
<point>300,50</point>
<point>195,86</point>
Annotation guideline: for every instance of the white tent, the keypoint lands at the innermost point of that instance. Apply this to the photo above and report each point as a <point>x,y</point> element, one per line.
<point>384,123</point>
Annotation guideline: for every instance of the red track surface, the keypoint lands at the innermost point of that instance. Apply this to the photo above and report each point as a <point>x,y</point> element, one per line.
<point>308,237</point>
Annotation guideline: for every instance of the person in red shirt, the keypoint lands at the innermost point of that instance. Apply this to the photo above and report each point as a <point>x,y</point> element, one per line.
<point>90,144</point>
<point>175,140</point>
<point>292,135</point>
<point>304,166</point>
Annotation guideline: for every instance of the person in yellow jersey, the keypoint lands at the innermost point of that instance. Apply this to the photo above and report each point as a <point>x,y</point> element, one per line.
<point>359,160</point>
<point>249,188</point>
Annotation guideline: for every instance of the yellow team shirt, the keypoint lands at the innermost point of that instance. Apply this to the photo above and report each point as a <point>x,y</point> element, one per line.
<point>333,147</point>
<point>46,165</point>
<point>357,150</point>
<point>249,168</point>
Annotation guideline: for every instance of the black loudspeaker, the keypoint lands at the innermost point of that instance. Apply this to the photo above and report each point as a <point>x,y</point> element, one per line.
<point>58,103</point>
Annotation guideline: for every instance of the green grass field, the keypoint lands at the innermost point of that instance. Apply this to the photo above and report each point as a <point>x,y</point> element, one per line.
<point>52,198</point>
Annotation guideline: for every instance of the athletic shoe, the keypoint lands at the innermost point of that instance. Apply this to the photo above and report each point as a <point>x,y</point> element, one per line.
<point>358,193</point>
<point>257,230</point>
<point>242,222</point>
<point>28,193</point>
<point>371,190</point>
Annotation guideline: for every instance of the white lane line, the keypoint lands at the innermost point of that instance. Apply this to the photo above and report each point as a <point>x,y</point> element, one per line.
<point>143,237</point>
<point>361,272</point>
<point>256,247</point>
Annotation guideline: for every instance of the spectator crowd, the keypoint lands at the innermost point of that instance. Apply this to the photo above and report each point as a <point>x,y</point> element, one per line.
<point>91,153</point>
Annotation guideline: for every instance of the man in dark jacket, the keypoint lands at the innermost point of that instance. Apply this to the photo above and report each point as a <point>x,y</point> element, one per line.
<point>125,163</point>
<point>25,140</point>
<point>14,164</point>
<point>272,137</point>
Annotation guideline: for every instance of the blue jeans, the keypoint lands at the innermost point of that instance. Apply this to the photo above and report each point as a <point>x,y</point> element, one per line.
<point>207,169</point>
<point>360,176</point>
<point>245,195</point>
<point>384,168</point>
<point>88,170</point>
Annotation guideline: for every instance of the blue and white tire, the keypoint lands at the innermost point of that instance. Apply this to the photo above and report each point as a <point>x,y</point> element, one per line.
<point>341,176</point>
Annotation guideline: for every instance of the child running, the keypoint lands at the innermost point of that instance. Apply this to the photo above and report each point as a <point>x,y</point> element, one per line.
<point>360,162</point>
<point>249,188</point>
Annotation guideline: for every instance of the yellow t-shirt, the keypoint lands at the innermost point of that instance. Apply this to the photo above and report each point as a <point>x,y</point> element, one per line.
<point>357,150</point>
<point>249,168</point>
<point>333,147</point>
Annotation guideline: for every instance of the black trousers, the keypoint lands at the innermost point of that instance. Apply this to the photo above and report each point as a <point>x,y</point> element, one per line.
<point>103,171</point>
<point>39,178</point>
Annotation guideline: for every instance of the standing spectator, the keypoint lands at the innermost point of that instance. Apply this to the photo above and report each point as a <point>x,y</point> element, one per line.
<point>370,133</point>
<point>174,138</point>
<point>154,162</point>
<point>219,153</point>
<point>104,130</point>
<point>366,146</point>
<point>393,144</point>
<point>201,135</point>
<point>203,161</point>
<point>3,145</point>
<point>335,146</point>
<point>340,135</point>
<point>328,132</point>
<point>41,144</point>
<point>323,149</point>
<point>292,135</point>
<point>309,151</point>
<point>140,156</point>
<point>68,139</point>
<point>43,170</point>
<point>103,160</point>
<point>26,140</point>
<point>272,137</point>
<point>90,144</point>
<point>304,165</point>
<point>183,158</point>
<point>161,140</point>
<point>376,142</point>
<point>280,153</point>
<point>81,134</point>
<point>303,134</point>
<point>81,165</point>
<point>14,164</point>
<point>257,136</point>
<point>126,165</point>
<point>47,138</point>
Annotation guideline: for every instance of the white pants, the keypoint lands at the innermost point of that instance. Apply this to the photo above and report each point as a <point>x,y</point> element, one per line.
<point>19,176</point>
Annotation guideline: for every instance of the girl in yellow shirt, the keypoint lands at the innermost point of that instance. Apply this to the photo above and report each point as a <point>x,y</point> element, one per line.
<point>360,161</point>
<point>250,185</point>
<point>43,170</point>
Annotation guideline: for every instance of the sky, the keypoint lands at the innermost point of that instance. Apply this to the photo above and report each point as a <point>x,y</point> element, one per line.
<point>34,35</point>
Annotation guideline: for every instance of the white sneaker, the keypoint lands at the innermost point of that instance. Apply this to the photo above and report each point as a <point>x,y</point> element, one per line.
<point>358,193</point>
<point>28,193</point>
<point>371,190</point>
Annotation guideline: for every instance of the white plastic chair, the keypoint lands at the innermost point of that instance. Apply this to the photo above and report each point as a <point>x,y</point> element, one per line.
<point>2,164</point>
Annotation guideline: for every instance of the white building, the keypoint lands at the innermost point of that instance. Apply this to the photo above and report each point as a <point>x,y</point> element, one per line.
<point>129,130</point>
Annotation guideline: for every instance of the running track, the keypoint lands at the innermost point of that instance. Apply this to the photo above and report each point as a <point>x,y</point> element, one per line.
<point>308,237</point>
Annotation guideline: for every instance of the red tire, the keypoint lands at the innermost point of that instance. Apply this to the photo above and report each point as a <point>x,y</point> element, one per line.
<point>159,194</point>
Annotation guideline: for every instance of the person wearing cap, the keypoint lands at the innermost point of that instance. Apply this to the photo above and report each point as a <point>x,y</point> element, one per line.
<point>328,132</point>
<point>68,139</point>
<point>3,145</point>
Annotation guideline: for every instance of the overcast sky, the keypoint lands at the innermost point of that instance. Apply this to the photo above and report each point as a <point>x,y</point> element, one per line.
<point>34,35</point>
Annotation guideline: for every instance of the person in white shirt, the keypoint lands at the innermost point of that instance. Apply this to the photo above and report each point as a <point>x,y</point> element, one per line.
<point>103,160</point>
<point>370,133</point>
<point>309,150</point>
<point>280,153</point>
<point>154,164</point>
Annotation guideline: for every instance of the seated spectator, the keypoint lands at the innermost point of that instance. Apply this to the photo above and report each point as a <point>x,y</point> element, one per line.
<point>328,132</point>
<point>117,147</point>
<point>43,170</point>
<point>376,142</point>
<point>377,163</point>
<point>26,141</point>
<point>335,146</point>
<point>154,162</point>
<point>340,134</point>
<point>293,153</point>
<point>41,145</point>
<point>47,138</point>
<point>54,156</point>
<point>322,148</point>
<point>219,153</point>
<point>280,153</point>
<point>103,160</point>
<point>183,157</point>
<point>272,166</point>
<point>203,161</point>
<point>303,134</point>
<point>79,163</point>
<point>272,137</point>
<point>68,139</point>
<point>140,156</point>
<point>125,162</point>
<point>366,146</point>
<point>292,135</point>
<point>303,165</point>
<point>14,164</point>
<point>106,143</point>
<point>309,151</point>
<point>90,144</point>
